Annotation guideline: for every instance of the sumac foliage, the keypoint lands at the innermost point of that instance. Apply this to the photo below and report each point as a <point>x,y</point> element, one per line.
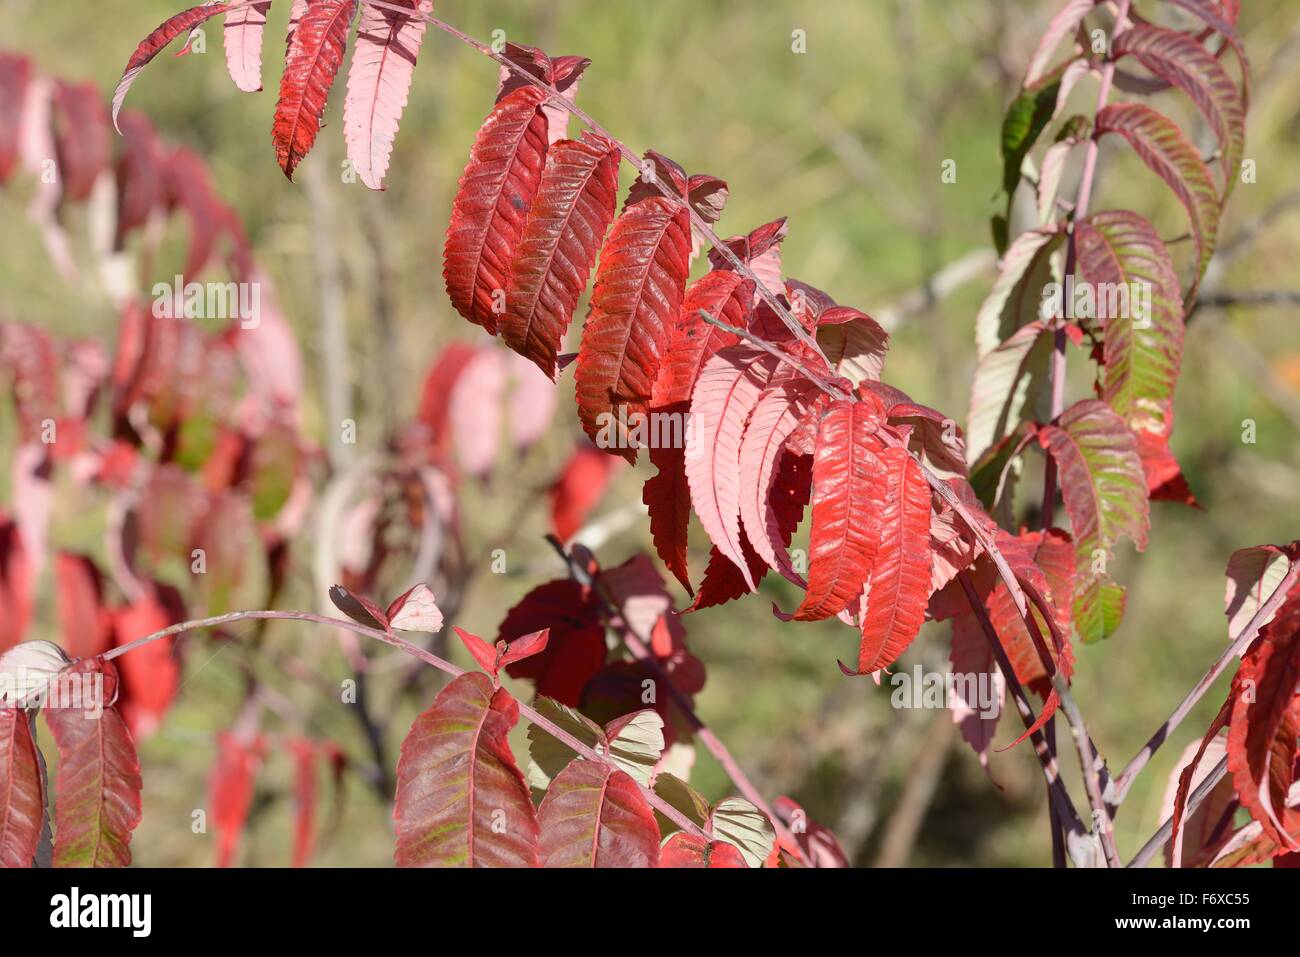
<point>761,404</point>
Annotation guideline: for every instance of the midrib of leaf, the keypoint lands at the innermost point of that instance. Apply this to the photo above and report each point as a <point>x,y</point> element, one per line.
<point>555,246</point>
<point>643,279</point>
<point>9,780</point>
<point>1093,492</point>
<point>471,786</point>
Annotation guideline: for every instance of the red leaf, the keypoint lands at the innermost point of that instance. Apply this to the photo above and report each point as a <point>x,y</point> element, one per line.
<point>1063,24</point>
<point>525,647</point>
<point>85,622</point>
<point>492,204</point>
<point>688,850</point>
<point>725,395</point>
<point>359,608</point>
<point>761,251</point>
<point>815,845</point>
<point>640,284</point>
<point>561,72</point>
<point>22,797</point>
<point>1047,561</point>
<point>847,503</point>
<point>899,587</point>
<point>1185,777</point>
<point>242,36</point>
<point>461,799</point>
<point>1183,61</point>
<point>1265,723</point>
<point>313,60</point>
<point>575,648</point>
<point>98,801</point>
<point>564,230</point>
<point>972,655</point>
<point>579,489</point>
<point>139,174</point>
<point>1160,144</point>
<point>1165,479</point>
<point>81,137</point>
<point>667,497</point>
<point>596,816</point>
<point>725,295</point>
<point>15,75</point>
<point>379,80</point>
<point>15,586</point>
<point>477,405</point>
<point>151,674</point>
<point>304,800</point>
<point>482,652</point>
<point>439,389</point>
<point>154,43</point>
<point>230,790</point>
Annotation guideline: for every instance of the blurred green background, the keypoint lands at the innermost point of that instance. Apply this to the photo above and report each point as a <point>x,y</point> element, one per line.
<point>847,139</point>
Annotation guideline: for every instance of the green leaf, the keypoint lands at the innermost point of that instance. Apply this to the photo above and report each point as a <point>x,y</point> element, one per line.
<point>1143,353</point>
<point>547,755</point>
<point>635,743</point>
<point>1025,120</point>
<point>739,823</point>
<point>1181,59</point>
<point>273,467</point>
<point>1098,608</point>
<point>1101,476</point>
<point>684,798</point>
<point>1160,144</point>
<point>1008,384</point>
<point>1017,294</point>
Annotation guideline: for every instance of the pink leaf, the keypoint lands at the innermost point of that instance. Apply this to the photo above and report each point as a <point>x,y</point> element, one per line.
<point>727,391</point>
<point>477,402</point>
<point>785,402</point>
<point>243,41</point>
<point>415,610</point>
<point>379,81</point>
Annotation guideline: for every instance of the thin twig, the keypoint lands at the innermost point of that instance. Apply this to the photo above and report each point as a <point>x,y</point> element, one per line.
<point>636,644</point>
<point>660,805</point>
<point>1051,772</point>
<point>1166,830</point>
<point>1125,779</point>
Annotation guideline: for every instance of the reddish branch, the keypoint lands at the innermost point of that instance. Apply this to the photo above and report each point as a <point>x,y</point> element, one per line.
<point>1122,783</point>
<point>636,645</point>
<point>660,805</point>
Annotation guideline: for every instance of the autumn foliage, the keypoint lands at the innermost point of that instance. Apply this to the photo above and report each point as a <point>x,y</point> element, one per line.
<point>783,420</point>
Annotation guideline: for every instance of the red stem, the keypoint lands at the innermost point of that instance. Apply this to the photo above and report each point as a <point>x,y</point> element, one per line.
<point>660,805</point>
